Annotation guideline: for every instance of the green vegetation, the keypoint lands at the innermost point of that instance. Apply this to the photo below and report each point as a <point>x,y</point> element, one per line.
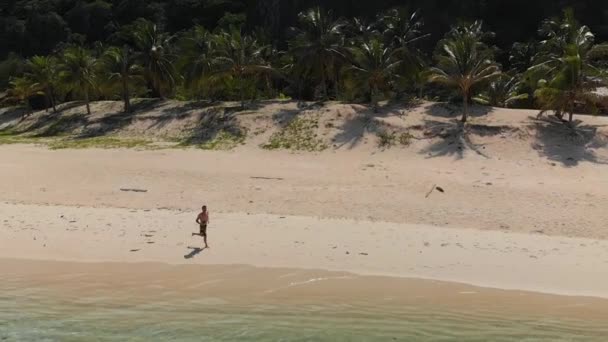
<point>58,142</point>
<point>122,70</point>
<point>78,73</point>
<point>387,139</point>
<point>224,140</point>
<point>8,137</point>
<point>53,52</point>
<point>464,61</point>
<point>105,142</point>
<point>569,66</point>
<point>298,135</point>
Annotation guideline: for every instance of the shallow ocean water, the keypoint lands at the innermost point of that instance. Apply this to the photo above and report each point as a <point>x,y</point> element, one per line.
<point>88,308</point>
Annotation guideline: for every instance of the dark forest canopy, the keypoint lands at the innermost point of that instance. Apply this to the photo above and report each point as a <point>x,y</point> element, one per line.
<point>543,54</point>
<point>29,27</point>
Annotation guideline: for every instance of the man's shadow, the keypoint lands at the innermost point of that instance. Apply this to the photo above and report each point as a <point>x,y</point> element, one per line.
<point>195,251</point>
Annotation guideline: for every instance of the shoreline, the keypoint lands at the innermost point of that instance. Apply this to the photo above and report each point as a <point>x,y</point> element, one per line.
<point>491,259</point>
<point>283,287</point>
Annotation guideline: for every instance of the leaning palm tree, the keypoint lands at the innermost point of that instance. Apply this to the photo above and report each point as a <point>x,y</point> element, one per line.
<point>154,52</point>
<point>373,68</point>
<point>21,89</point>
<point>569,64</point>
<point>44,72</point>
<point>463,62</point>
<point>238,56</point>
<point>318,45</point>
<point>571,83</point>
<point>122,69</point>
<point>78,72</point>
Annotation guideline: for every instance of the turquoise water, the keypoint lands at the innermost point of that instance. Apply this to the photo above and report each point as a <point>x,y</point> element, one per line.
<point>32,317</point>
<point>43,304</point>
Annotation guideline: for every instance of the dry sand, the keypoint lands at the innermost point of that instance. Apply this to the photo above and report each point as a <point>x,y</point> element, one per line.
<point>512,222</point>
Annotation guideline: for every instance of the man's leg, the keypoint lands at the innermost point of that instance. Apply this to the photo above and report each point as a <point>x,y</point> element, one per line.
<point>204,233</point>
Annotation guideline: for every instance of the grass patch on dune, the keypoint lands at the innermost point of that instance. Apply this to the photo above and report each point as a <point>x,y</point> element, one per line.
<point>55,143</point>
<point>99,142</point>
<point>388,139</point>
<point>224,140</point>
<point>8,137</point>
<point>299,135</point>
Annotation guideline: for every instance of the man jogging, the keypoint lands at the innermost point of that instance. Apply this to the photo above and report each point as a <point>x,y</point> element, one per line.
<point>203,220</point>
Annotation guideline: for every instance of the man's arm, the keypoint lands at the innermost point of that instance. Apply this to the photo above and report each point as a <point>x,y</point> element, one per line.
<point>198,219</point>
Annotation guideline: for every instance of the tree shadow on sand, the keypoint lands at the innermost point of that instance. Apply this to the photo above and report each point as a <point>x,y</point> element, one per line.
<point>448,110</point>
<point>211,123</point>
<point>10,116</point>
<point>455,138</point>
<point>569,144</point>
<point>364,121</point>
<point>79,122</point>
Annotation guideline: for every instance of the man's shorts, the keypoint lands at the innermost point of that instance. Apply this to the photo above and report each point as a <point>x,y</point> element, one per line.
<point>203,229</point>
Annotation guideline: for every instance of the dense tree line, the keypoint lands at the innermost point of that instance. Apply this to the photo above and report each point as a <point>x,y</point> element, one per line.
<point>516,53</point>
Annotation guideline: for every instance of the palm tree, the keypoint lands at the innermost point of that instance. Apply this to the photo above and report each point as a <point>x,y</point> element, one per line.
<point>567,63</point>
<point>122,69</point>
<point>502,92</point>
<point>318,45</point>
<point>196,56</point>
<point>22,88</point>
<point>154,51</point>
<point>44,72</point>
<point>571,82</point>
<point>239,56</point>
<point>403,31</point>
<point>523,55</point>
<point>373,68</point>
<point>359,29</point>
<point>78,72</point>
<point>463,62</point>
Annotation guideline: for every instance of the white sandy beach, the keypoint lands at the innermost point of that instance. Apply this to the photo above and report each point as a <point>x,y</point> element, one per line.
<point>508,223</point>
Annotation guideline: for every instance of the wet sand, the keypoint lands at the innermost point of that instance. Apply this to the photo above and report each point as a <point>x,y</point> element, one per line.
<point>139,283</point>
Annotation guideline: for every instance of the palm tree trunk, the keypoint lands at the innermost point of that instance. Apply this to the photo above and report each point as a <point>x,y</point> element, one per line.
<point>323,81</point>
<point>372,97</point>
<point>465,107</point>
<point>86,99</point>
<point>241,92</point>
<point>53,104</point>
<point>125,95</point>
<point>570,116</point>
<point>46,100</point>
